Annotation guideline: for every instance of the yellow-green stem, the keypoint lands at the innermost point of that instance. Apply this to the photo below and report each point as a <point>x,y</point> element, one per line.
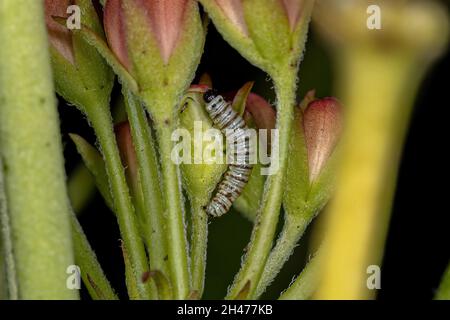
<point>199,244</point>
<point>149,178</point>
<point>306,283</point>
<point>266,222</point>
<point>32,155</point>
<point>175,224</point>
<point>378,91</point>
<point>101,121</point>
<point>292,231</point>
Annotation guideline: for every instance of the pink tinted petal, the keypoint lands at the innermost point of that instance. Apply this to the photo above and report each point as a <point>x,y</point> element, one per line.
<point>234,12</point>
<point>293,9</point>
<point>166,19</point>
<point>322,125</point>
<point>59,36</point>
<point>114,22</point>
<point>261,111</point>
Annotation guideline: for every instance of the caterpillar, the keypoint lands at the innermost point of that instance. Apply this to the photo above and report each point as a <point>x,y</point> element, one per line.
<point>233,126</point>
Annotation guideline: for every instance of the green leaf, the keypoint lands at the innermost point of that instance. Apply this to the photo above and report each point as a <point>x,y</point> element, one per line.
<point>96,166</point>
<point>91,271</point>
<point>240,99</point>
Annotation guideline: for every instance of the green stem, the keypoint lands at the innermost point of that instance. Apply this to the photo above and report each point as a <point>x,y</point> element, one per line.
<point>6,246</point>
<point>443,292</point>
<point>266,221</point>
<point>91,271</point>
<point>126,217</point>
<point>32,153</point>
<point>149,175</point>
<point>306,283</point>
<point>293,229</point>
<point>175,227</point>
<point>199,244</point>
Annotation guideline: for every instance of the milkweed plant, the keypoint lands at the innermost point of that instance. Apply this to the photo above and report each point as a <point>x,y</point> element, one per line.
<point>162,186</point>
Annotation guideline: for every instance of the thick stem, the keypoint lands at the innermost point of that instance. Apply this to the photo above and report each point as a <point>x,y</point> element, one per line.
<point>149,178</point>
<point>267,219</point>
<point>175,226</point>
<point>371,149</point>
<point>199,244</point>
<point>126,217</point>
<point>32,153</point>
<point>91,271</point>
<point>293,229</point>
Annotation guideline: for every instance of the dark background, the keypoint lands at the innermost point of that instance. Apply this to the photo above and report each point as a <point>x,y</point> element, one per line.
<point>417,246</point>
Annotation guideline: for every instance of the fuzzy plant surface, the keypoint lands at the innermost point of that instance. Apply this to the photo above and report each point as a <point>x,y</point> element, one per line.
<point>130,68</point>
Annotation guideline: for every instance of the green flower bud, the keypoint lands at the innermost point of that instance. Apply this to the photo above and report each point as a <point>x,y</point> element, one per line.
<point>81,75</point>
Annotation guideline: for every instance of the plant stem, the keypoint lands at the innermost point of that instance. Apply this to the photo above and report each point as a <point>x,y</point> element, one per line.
<point>175,226</point>
<point>91,271</point>
<point>148,173</point>
<point>371,149</point>
<point>306,283</point>
<point>6,246</point>
<point>126,217</point>
<point>293,229</point>
<point>199,244</point>
<point>266,221</point>
<point>32,153</point>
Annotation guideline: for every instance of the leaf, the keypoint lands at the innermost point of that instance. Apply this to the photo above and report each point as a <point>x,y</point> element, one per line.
<point>240,99</point>
<point>91,271</point>
<point>95,164</point>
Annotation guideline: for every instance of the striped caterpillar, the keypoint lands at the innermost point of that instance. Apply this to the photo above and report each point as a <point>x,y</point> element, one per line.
<point>236,177</point>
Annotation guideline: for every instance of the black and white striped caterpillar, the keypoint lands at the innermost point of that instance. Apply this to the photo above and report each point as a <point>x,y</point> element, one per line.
<point>236,177</point>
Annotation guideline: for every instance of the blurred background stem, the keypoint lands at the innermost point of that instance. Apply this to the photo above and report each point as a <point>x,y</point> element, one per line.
<point>378,92</point>
<point>32,155</point>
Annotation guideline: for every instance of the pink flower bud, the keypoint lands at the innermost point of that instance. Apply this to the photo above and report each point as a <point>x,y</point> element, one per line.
<point>59,36</point>
<point>165,20</point>
<point>322,124</point>
<point>293,10</point>
<point>233,10</point>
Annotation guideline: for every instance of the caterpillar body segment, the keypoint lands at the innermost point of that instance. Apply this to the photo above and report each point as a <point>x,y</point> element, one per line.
<point>236,177</point>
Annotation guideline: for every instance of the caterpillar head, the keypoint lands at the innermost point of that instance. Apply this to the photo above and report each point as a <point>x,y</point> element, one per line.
<point>209,95</point>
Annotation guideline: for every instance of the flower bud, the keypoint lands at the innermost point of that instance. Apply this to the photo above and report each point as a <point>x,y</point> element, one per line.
<point>322,126</point>
<point>81,75</point>
<point>158,42</point>
<point>269,33</point>
<point>59,36</point>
